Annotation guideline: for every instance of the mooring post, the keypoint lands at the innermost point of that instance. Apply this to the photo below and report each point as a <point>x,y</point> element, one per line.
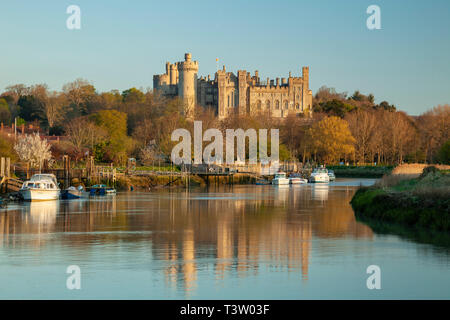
<point>8,168</point>
<point>2,167</point>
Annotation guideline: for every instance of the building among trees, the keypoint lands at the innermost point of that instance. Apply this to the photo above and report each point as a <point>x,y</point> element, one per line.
<point>231,94</point>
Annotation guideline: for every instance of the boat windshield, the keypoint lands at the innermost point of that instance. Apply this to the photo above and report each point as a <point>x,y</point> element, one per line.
<point>320,170</point>
<point>44,177</point>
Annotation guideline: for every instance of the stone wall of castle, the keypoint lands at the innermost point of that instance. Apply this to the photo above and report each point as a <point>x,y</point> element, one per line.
<point>231,94</point>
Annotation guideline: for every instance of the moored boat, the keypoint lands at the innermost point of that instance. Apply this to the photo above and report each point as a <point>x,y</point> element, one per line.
<point>74,193</point>
<point>331,175</point>
<point>101,190</point>
<point>262,182</point>
<point>280,179</point>
<point>40,187</point>
<point>319,175</point>
<point>296,178</point>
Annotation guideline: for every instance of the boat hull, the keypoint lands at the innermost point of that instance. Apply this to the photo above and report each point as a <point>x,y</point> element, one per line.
<point>74,194</point>
<point>297,181</point>
<point>319,179</point>
<point>39,195</point>
<point>278,182</point>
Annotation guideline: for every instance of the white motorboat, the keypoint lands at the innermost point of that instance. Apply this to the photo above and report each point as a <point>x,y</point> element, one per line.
<point>40,187</point>
<point>331,175</point>
<point>319,175</point>
<point>297,180</point>
<point>280,179</point>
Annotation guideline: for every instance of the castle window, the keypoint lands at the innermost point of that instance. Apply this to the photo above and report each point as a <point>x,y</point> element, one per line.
<point>258,104</point>
<point>277,105</point>
<point>268,105</point>
<point>286,105</point>
<point>297,106</point>
<point>228,100</point>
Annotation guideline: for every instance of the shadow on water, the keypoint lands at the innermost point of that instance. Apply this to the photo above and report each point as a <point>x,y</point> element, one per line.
<point>439,239</point>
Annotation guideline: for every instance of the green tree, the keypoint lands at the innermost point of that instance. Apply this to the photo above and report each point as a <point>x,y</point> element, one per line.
<point>31,108</point>
<point>444,153</point>
<point>7,147</point>
<point>117,144</point>
<point>133,95</point>
<point>5,112</point>
<point>334,107</point>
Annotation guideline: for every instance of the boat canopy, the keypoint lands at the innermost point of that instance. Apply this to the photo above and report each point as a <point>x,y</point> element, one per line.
<point>44,177</point>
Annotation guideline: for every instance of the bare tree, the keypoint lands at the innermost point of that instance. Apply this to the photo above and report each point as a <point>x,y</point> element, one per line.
<point>434,129</point>
<point>362,124</point>
<point>82,133</point>
<point>54,108</point>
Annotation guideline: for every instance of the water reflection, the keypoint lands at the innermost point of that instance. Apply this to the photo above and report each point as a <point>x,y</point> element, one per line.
<point>235,231</point>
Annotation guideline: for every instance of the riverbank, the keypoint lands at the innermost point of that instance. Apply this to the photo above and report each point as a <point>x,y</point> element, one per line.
<point>360,171</point>
<point>145,183</point>
<point>423,201</point>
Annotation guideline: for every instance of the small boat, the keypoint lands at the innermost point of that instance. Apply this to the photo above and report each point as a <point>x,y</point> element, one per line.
<point>319,175</point>
<point>280,179</point>
<point>74,193</point>
<point>101,190</point>
<point>297,180</point>
<point>262,182</point>
<point>331,175</point>
<point>40,187</point>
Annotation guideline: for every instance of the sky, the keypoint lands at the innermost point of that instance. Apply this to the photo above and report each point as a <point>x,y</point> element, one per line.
<point>122,44</point>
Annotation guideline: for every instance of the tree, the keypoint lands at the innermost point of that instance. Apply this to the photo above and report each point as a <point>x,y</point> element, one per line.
<point>31,108</point>
<point>133,95</point>
<point>81,95</point>
<point>334,107</point>
<point>434,130</point>
<point>331,139</point>
<point>5,113</point>
<point>292,133</point>
<point>7,147</point>
<point>54,108</point>
<point>16,91</point>
<point>386,106</point>
<point>115,125</point>
<point>444,153</point>
<point>33,149</point>
<point>83,133</point>
<point>362,125</point>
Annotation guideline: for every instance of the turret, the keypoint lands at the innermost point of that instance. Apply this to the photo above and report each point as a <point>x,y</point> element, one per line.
<point>187,84</point>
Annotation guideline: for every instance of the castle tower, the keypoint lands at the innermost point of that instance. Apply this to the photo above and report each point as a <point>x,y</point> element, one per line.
<point>187,84</point>
<point>305,89</point>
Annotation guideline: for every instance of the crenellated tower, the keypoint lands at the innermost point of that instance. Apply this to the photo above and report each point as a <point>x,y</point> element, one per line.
<point>187,84</point>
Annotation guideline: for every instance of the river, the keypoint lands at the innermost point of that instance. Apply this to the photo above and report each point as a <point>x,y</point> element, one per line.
<point>228,242</point>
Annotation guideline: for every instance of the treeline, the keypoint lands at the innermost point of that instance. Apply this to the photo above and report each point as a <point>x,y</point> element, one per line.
<point>115,125</point>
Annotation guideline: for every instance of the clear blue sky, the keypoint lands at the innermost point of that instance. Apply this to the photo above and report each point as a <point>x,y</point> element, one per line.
<point>121,44</point>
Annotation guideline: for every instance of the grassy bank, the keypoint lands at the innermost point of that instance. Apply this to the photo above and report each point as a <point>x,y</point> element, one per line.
<point>360,171</point>
<point>146,183</point>
<point>421,202</point>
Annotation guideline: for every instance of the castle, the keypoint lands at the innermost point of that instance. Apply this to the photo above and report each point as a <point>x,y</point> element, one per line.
<point>229,94</point>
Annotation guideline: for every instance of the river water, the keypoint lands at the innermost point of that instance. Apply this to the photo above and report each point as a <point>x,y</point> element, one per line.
<point>239,242</point>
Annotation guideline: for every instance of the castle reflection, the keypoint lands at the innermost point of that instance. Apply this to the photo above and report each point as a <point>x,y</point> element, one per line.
<point>233,230</point>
